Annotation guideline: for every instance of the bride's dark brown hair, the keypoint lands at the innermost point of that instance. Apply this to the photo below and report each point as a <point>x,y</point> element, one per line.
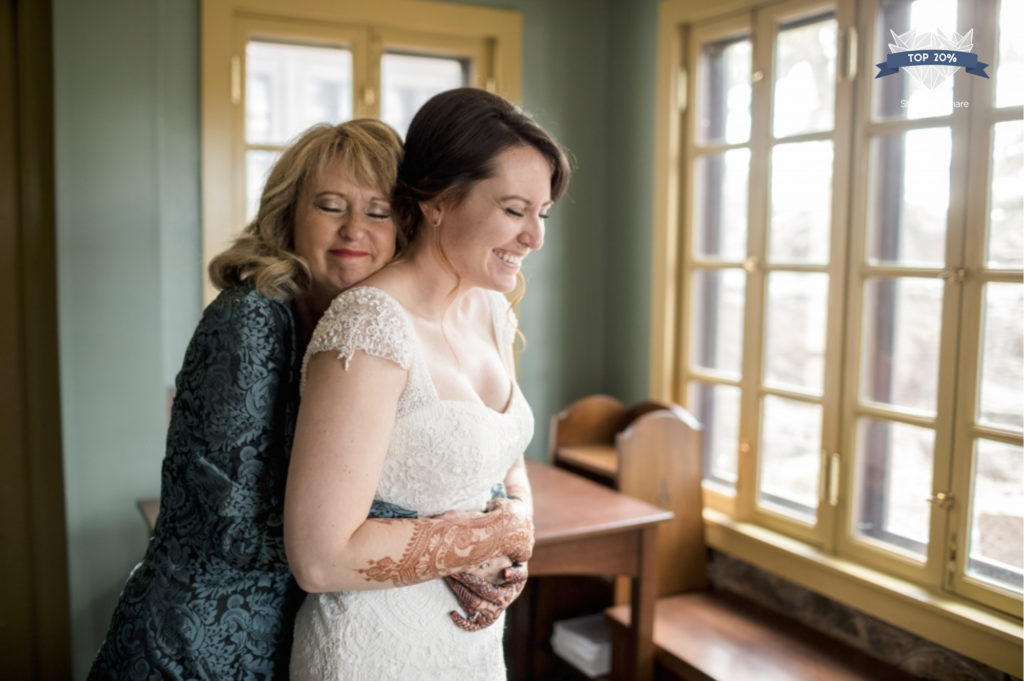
<point>453,142</point>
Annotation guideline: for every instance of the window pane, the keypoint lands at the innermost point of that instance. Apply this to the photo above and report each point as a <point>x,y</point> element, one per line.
<point>1009,72</point>
<point>916,91</point>
<point>290,87</point>
<point>717,329</point>
<point>257,167</point>
<point>909,198</point>
<point>790,454</point>
<point>997,514</point>
<point>900,351</point>
<point>1001,393</point>
<point>794,350</point>
<point>720,205</point>
<point>723,95</point>
<point>801,202</point>
<point>805,74</point>
<point>893,483</point>
<point>408,80</point>
<point>1006,198</point>
<point>717,407</point>
<point>258,106</point>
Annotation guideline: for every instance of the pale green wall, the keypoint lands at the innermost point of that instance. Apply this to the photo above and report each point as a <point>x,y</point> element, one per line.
<point>629,201</point>
<point>127,127</point>
<point>127,147</point>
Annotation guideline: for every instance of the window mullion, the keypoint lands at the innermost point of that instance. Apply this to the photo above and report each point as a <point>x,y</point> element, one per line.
<point>854,280</point>
<point>240,34</point>
<point>366,56</point>
<point>945,541</point>
<point>830,516</point>
<point>760,148</point>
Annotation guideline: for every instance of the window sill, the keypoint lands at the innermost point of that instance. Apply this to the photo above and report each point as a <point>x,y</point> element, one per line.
<point>970,630</point>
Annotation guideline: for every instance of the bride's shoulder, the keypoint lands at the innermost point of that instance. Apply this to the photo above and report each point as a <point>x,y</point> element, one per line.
<point>364,318</point>
<point>363,301</point>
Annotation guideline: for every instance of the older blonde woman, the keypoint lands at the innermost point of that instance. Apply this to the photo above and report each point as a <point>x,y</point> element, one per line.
<point>213,597</point>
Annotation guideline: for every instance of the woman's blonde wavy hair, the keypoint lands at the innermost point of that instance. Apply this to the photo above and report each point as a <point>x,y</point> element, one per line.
<point>263,256</point>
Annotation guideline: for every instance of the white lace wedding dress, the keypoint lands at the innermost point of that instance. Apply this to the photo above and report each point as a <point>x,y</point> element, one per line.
<point>443,455</point>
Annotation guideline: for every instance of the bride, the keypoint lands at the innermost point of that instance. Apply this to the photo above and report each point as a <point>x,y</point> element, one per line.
<point>410,397</point>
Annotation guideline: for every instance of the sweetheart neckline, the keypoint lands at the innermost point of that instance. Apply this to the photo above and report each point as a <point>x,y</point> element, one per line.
<point>513,387</point>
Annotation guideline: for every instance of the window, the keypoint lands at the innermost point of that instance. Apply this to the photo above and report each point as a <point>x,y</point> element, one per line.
<point>269,73</point>
<point>843,267</point>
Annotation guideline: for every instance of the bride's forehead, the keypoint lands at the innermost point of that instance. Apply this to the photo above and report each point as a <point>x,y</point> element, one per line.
<point>523,169</point>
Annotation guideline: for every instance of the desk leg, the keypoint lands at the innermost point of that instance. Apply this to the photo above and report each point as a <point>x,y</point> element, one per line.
<point>644,594</point>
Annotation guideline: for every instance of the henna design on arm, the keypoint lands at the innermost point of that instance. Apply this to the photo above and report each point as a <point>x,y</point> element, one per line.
<point>438,548</point>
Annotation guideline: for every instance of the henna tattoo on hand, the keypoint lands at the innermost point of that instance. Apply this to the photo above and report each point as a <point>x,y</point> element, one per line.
<point>439,548</point>
<point>482,600</point>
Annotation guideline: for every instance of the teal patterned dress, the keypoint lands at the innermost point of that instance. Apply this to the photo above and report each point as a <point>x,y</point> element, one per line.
<point>213,598</point>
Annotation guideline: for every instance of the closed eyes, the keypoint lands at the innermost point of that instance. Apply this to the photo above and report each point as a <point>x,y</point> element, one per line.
<point>374,213</point>
<point>519,214</point>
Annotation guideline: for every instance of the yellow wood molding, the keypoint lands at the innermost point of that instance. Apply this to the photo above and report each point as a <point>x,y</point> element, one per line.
<point>215,132</point>
<point>665,256</point>
<point>971,630</point>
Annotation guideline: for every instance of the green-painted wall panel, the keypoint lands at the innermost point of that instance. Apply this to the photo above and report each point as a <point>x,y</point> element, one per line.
<point>629,238</point>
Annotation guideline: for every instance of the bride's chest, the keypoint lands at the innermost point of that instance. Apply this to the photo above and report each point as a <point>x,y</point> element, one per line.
<point>464,366</point>
<point>449,454</point>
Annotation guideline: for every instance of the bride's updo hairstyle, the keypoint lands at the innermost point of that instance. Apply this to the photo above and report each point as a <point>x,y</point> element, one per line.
<point>452,144</point>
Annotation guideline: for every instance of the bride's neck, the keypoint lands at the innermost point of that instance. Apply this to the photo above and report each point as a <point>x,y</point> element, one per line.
<point>431,285</point>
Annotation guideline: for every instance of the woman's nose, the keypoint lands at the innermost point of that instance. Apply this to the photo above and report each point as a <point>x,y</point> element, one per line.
<point>352,224</point>
<point>533,236</point>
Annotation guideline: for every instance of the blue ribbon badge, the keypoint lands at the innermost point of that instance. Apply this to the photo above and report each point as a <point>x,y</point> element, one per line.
<point>934,57</point>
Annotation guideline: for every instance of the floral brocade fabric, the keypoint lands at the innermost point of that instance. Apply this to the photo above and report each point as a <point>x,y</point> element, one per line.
<point>213,599</point>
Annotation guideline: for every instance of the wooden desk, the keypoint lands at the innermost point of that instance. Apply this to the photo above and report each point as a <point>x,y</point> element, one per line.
<point>582,528</point>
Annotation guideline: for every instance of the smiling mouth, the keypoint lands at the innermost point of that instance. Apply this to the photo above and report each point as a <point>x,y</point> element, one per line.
<point>347,253</point>
<point>505,257</point>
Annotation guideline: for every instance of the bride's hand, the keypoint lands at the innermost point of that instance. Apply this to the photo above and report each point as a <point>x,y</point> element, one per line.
<point>519,521</point>
<point>492,571</point>
<point>485,593</point>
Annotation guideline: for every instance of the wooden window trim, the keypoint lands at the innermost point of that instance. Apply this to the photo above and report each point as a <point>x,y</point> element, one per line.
<point>986,635</point>
<point>392,20</point>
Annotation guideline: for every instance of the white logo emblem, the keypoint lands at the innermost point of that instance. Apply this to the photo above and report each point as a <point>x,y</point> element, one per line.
<point>931,76</point>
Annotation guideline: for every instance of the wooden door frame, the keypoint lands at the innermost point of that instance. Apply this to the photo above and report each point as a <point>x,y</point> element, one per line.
<point>34,610</point>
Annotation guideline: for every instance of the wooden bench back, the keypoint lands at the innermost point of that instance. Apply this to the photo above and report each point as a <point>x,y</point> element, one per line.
<point>651,451</point>
<point>659,457</point>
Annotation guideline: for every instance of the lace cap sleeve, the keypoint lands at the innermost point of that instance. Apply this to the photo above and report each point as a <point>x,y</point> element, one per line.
<point>367,319</point>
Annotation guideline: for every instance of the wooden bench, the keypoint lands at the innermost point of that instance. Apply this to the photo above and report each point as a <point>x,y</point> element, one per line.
<point>652,451</point>
<point>716,636</point>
